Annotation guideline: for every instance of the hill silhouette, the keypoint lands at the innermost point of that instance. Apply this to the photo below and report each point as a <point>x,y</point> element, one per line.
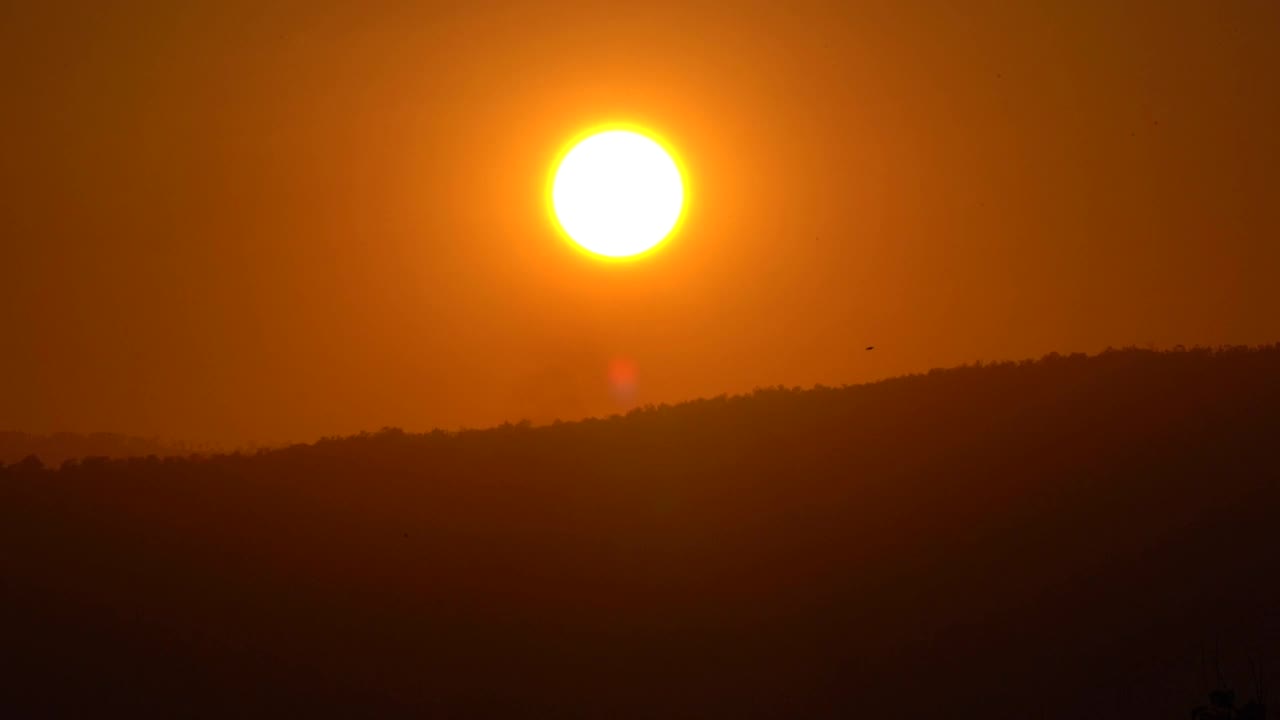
<point>1050,538</point>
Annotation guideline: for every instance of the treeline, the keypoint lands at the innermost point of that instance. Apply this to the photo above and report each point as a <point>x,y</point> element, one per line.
<point>1050,538</point>
<point>57,448</point>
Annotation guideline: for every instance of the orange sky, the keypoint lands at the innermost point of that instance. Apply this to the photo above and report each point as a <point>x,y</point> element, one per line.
<point>232,223</point>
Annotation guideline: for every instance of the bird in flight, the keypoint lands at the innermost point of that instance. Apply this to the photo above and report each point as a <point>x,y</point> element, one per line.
<point>871,347</point>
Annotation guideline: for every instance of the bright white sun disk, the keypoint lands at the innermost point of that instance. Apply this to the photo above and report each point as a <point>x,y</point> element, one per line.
<point>617,193</point>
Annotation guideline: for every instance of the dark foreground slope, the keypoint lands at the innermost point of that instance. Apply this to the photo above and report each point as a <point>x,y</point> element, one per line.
<point>1050,539</point>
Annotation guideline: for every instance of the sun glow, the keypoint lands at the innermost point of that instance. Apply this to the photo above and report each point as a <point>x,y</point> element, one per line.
<point>617,193</point>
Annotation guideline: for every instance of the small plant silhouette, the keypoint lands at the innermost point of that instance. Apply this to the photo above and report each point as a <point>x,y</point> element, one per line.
<point>1222,700</point>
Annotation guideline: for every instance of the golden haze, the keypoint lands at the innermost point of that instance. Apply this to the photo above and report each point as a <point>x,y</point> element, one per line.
<point>238,222</point>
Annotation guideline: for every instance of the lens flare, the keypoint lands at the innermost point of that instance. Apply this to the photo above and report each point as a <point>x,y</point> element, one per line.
<point>622,380</point>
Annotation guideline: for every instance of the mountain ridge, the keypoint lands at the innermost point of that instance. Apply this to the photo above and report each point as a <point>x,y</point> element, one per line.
<point>1067,532</point>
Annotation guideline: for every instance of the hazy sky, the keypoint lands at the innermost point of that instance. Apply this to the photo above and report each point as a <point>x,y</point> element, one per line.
<point>250,221</point>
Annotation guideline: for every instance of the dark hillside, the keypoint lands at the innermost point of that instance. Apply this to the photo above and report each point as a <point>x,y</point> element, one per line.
<point>1058,538</point>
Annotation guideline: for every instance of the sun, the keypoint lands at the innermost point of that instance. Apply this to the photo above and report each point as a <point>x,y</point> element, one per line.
<point>618,193</point>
